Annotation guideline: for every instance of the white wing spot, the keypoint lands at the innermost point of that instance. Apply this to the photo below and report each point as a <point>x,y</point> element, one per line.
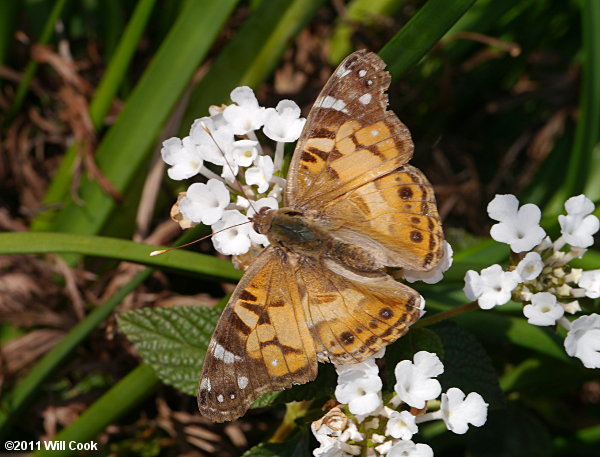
<point>242,382</point>
<point>274,362</point>
<point>220,398</point>
<point>331,102</point>
<point>223,354</point>
<point>232,396</point>
<point>374,132</point>
<point>361,73</point>
<point>369,82</point>
<point>365,99</point>
<point>343,72</point>
<point>205,384</point>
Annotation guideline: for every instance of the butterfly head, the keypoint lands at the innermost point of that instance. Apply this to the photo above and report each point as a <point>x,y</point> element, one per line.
<point>262,220</point>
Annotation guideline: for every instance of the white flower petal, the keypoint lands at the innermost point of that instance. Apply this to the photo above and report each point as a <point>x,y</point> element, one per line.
<point>530,266</point>
<point>458,412</point>
<point>435,275</point>
<point>246,115</point>
<point>284,122</point>
<point>401,425</point>
<point>590,281</point>
<point>543,310</point>
<point>205,203</point>
<point>583,340</point>
<point>493,287</point>
<point>517,227</point>
<point>232,240</point>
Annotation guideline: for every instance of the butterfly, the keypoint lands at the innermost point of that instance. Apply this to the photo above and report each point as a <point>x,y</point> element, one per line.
<point>321,292</point>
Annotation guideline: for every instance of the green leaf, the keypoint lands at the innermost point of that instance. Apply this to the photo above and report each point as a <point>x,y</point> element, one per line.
<point>127,394</point>
<point>467,365</point>
<point>172,341</point>
<point>421,33</point>
<point>578,170</point>
<point>360,14</point>
<point>510,431</point>
<point>299,446</point>
<point>249,58</point>
<point>126,148</point>
<point>417,339</point>
<point>114,248</point>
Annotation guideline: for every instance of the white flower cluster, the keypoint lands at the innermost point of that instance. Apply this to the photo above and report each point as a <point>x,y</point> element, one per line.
<point>227,140</point>
<point>369,427</point>
<point>542,278</point>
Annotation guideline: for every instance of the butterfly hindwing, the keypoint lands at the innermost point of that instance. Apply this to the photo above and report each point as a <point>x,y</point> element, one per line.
<point>261,342</point>
<point>351,318</point>
<point>349,138</point>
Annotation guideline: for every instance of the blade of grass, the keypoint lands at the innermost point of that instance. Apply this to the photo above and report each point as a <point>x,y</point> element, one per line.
<point>127,145</point>
<point>359,13</point>
<point>587,133</point>
<point>9,12</point>
<point>59,188</point>
<point>33,65</point>
<point>113,248</point>
<point>126,394</point>
<point>421,33</point>
<point>251,55</point>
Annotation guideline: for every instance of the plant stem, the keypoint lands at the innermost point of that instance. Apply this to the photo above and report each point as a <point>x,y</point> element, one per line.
<point>446,314</point>
<point>293,411</point>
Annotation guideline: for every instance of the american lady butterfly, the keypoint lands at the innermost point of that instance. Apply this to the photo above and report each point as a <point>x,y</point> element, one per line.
<point>321,290</point>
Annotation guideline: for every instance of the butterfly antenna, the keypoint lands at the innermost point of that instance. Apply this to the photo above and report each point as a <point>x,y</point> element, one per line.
<point>241,188</point>
<point>162,251</point>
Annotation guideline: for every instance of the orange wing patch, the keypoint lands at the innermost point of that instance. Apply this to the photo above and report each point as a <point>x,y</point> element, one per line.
<point>399,212</point>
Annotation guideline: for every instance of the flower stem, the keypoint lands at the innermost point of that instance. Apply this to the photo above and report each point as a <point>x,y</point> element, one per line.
<point>433,415</point>
<point>446,314</point>
<point>278,162</point>
<point>293,411</point>
<point>252,136</point>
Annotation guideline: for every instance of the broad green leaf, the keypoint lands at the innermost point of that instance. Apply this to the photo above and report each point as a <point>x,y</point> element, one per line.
<point>510,431</point>
<point>467,365</point>
<point>172,341</point>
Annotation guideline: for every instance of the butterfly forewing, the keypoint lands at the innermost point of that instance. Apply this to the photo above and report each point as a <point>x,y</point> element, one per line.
<point>396,210</point>
<point>349,138</point>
